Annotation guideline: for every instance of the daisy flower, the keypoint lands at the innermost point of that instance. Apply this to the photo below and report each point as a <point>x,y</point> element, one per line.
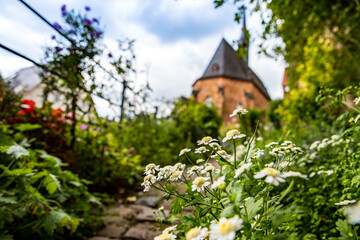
<point>238,111</point>
<point>345,202</point>
<point>257,153</point>
<point>199,183</point>
<point>183,151</point>
<point>151,169</point>
<point>200,161</point>
<point>233,134</point>
<point>222,153</point>
<point>196,233</point>
<point>294,174</point>
<point>219,183</point>
<point>242,169</point>
<point>179,166</point>
<point>272,175</point>
<point>352,213</point>
<point>176,175</point>
<point>215,145</point>
<point>206,140</point>
<point>194,169</point>
<point>165,236</point>
<point>272,144</point>
<point>169,229</point>
<point>201,150</point>
<point>225,229</point>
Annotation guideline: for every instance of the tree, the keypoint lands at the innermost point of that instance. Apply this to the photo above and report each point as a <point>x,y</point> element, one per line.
<point>321,44</point>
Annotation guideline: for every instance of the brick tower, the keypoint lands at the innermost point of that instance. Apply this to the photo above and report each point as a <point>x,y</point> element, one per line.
<point>228,82</point>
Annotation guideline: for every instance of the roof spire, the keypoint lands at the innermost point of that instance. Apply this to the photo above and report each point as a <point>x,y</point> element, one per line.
<point>243,41</point>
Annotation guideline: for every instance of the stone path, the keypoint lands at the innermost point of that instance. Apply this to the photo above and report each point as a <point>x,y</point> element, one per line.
<point>133,220</point>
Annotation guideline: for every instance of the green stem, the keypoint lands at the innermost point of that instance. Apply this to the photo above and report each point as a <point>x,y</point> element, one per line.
<point>234,153</point>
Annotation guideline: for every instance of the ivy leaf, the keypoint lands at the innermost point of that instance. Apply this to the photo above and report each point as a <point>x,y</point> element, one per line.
<point>177,205</point>
<point>17,151</point>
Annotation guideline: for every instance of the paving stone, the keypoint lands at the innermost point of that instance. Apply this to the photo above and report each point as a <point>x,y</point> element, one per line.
<point>142,231</point>
<point>122,211</point>
<point>115,220</point>
<point>150,201</point>
<point>112,231</point>
<point>146,214</point>
<point>98,238</point>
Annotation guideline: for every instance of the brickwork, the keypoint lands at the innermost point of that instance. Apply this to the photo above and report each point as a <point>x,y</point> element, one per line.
<point>227,94</point>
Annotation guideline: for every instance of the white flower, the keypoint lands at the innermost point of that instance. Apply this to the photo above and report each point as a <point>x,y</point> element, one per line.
<point>150,178</point>
<point>287,143</point>
<point>328,172</point>
<point>314,145</point>
<point>199,183</point>
<point>165,172</point>
<point>219,183</point>
<point>222,153</point>
<point>179,166</point>
<point>272,144</point>
<point>206,140</point>
<point>294,174</point>
<point>322,145</point>
<point>215,146</point>
<point>201,150</point>
<point>352,213</point>
<point>225,229</point>
<point>147,186</point>
<point>277,152</point>
<point>200,161</point>
<point>238,111</point>
<point>257,153</point>
<point>194,169</point>
<point>345,202</point>
<point>357,118</point>
<point>151,169</point>
<point>210,168</point>
<point>242,169</point>
<point>196,233</point>
<point>273,176</point>
<point>357,100</point>
<point>169,229</point>
<point>183,151</point>
<point>233,134</point>
<point>312,174</point>
<point>176,175</point>
<point>165,236</point>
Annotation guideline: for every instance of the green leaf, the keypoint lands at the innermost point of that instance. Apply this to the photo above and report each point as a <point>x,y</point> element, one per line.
<point>51,183</point>
<point>54,160</point>
<point>228,211</point>
<point>345,229</point>
<point>177,205</point>
<point>27,127</point>
<point>167,196</point>
<point>170,188</point>
<point>56,219</point>
<point>4,236</point>
<point>9,200</point>
<point>17,151</point>
<point>253,207</point>
<point>204,211</point>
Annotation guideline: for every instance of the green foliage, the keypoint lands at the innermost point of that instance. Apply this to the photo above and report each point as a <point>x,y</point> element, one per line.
<point>9,100</point>
<point>38,198</point>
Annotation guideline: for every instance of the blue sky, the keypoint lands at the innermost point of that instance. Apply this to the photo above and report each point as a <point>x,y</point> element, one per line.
<point>176,38</point>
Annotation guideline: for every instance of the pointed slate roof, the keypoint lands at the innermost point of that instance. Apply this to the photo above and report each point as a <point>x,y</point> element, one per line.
<point>226,63</point>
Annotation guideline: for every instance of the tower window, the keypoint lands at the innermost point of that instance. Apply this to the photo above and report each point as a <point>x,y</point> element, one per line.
<point>215,67</point>
<point>195,93</point>
<point>249,95</point>
<point>221,90</point>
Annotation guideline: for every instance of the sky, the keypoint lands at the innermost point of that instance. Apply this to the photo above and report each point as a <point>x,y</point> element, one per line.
<point>176,39</point>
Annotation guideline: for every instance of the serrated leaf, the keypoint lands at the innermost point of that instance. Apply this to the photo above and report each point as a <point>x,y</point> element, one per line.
<point>56,161</point>
<point>177,205</point>
<point>17,151</point>
<point>228,211</point>
<point>51,183</point>
<point>253,207</point>
<point>56,219</point>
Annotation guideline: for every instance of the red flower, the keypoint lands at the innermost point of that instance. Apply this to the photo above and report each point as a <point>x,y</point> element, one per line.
<point>28,106</point>
<point>57,112</point>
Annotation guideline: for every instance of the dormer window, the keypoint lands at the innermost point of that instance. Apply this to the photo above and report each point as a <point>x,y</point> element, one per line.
<point>215,67</point>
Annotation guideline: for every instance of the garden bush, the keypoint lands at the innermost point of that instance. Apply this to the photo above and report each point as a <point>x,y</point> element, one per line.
<point>261,189</point>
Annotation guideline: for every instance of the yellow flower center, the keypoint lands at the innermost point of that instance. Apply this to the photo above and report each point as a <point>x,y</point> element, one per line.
<point>165,236</point>
<point>207,235</point>
<point>206,139</point>
<point>177,165</point>
<point>167,168</point>
<point>254,154</point>
<point>199,181</point>
<point>209,168</point>
<point>290,146</point>
<point>175,174</point>
<point>192,233</point>
<point>222,152</point>
<point>225,228</point>
<point>148,177</point>
<point>272,172</point>
<point>149,166</point>
<point>232,133</point>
